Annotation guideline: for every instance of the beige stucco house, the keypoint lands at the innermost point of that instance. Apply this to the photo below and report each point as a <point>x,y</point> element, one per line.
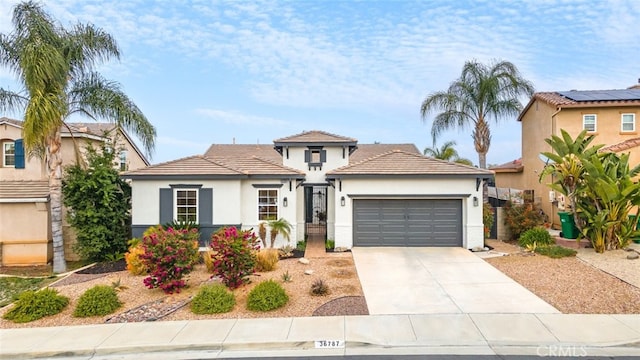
<point>610,115</point>
<point>325,185</point>
<point>25,231</point>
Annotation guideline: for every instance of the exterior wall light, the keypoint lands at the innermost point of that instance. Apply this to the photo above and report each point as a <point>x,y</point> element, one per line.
<point>285,202</point>
<point>342,201</point>
<point>475,201</point>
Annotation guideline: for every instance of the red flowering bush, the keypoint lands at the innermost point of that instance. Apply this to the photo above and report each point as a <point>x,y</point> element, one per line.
<point>233,255</point>
<point>169,255</point>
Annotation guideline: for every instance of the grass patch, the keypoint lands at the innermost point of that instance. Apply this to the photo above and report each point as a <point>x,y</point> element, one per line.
<point>12,287</point>
<point>555,251</point>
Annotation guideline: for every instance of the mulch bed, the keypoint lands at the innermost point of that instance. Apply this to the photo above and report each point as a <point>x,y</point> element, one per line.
<point>105,267</point>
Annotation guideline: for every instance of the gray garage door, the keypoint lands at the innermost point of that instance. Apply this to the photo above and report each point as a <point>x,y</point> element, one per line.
<point>416,222</point>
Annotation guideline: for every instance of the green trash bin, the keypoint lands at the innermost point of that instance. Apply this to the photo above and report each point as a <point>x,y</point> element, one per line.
<point>569,229</point>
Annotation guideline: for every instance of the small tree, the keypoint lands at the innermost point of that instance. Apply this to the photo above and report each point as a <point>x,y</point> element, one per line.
<point>99,202</point>
<point>280,226</point>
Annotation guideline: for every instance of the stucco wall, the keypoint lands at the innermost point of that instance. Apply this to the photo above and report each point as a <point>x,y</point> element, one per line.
<point>317,175</point>
<point>25,233</point>
<point>472,229</point>
<point>234,202</point>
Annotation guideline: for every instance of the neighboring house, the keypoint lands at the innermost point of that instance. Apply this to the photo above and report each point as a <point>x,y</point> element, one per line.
<point>325,185</point>
<point>25,229</point>
<point>610,115</point>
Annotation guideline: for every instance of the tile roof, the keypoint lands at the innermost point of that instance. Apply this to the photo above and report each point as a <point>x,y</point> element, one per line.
<point>233,151</point>
<point>398,162</point>
<point>511,166</point>
<point>242,164</point>
<point>192,165</point>
<point>10,121</point>
<point>24,189</point>
<point>622,146</point>
<point>315,136</point>
<point>365,151</point>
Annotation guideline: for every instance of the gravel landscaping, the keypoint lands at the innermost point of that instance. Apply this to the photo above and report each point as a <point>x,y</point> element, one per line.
<point>572,285</point>
<point>337,270</point>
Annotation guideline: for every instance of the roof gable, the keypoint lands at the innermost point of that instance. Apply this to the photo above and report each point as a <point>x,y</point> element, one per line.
<point>315,136</point>
<point>398,162</point>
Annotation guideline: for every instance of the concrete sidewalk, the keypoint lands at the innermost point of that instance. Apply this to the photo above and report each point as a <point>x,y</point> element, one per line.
<point>456,334</point>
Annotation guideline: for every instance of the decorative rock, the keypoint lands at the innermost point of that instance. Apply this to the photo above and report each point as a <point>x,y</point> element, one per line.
<point>303,261</point>
<point>340,249</point>
<point>633,255</point>
<point>477,249</point>
<point>308,272</point>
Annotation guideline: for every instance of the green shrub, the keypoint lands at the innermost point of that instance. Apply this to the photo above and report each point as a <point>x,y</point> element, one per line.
<point>99,204</point>
<point>266,296</point>
<point>301,245</point>
<point>330,244</point>
<point>213,299</point>
<point>319,288</point>
<point>538,235</point>
<point>267,259</point>
<point>521,217</point>
<point>33,305</point>
<point>100,300</point>
<point>555,251</point>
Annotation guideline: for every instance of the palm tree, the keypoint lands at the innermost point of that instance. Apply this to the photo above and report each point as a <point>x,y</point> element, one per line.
<point>280,226</point>
<point>55,67</point>
<point>482,93</point>
<point>446,152</point>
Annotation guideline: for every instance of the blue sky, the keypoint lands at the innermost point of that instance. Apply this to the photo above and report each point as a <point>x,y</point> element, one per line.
<point>213,71</point>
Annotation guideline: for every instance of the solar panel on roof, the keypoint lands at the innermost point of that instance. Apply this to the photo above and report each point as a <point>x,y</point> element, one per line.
<point>602,95</point>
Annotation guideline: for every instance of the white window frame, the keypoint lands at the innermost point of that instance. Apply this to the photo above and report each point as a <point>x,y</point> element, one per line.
<point>275,201</point>
<point>122,158</point>
<point>633,122</point>
<point>595,122</point>
<point>176,205</point>
<point>6,144</point>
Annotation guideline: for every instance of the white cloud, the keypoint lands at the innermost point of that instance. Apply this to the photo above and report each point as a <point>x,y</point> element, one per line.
<point>237,118</point>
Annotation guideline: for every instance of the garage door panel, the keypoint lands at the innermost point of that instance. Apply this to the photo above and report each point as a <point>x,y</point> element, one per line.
<point>419,222</point>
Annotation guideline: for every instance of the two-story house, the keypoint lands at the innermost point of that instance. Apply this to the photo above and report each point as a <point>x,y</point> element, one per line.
<point>610,115</point>
<point>325,185</point>
<point>25,229</point>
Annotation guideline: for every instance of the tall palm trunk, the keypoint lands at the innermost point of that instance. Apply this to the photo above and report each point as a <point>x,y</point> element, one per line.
<point>54,166</point>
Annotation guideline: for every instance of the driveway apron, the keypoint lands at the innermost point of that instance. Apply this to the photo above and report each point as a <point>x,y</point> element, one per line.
<point>424,280</point>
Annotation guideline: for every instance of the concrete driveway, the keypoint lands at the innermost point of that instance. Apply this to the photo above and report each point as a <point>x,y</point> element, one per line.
<point>424,280</point>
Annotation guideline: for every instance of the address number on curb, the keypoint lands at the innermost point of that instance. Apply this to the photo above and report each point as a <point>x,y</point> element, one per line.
<point>329,344</point>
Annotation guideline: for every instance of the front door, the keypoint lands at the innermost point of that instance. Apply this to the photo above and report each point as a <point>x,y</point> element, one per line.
<point>315,210</point>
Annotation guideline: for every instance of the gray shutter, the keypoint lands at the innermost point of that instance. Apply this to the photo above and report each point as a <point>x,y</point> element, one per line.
<point>307,156</point>
<point>323,156</point>
<point>205,208</point>
<point>166,206</point>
